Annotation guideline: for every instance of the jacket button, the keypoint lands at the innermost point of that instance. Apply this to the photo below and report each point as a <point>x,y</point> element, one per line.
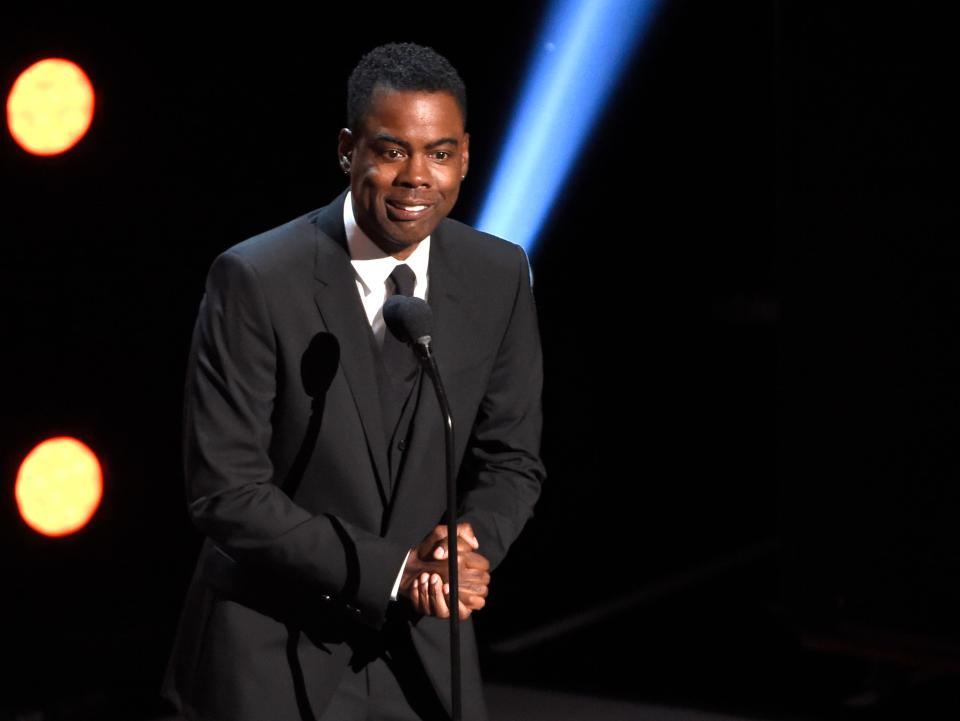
<point>402,445</point>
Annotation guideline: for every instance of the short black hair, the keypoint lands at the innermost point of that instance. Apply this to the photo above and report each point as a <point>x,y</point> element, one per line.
<point>401,66</point>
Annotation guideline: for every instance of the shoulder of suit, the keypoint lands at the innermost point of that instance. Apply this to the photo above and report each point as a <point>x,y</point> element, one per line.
<point>476,246</point>
<point>284,247</point>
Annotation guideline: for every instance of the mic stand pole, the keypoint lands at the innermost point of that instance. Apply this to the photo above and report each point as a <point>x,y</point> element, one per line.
<point>422,347</point>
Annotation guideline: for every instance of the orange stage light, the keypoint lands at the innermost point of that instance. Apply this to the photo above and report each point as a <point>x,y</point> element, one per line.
<point>50,107</point>
<point>59,486</point>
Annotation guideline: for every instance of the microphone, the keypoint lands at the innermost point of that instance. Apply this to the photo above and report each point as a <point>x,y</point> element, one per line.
<point>411,320</point>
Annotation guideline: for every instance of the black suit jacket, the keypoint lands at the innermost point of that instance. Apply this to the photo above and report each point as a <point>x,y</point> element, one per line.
<point>287,464</point>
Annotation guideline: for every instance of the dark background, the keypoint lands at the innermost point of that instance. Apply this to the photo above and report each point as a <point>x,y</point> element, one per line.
<point>747,302</point>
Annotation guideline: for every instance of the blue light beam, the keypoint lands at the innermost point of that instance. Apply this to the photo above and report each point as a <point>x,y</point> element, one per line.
<point>582,49</point>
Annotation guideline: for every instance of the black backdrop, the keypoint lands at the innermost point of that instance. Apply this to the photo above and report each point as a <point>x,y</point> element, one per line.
<point>867,218</point>
<point>667,534</point>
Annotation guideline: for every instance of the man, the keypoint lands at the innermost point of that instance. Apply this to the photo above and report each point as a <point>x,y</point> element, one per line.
<point>314,452</point>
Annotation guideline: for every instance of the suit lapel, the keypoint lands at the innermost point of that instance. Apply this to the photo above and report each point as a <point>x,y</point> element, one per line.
<point>442,298</point>
<point>339,304</point>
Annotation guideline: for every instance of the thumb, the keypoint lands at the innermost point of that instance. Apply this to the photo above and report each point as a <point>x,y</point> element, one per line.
<point>465,531</point>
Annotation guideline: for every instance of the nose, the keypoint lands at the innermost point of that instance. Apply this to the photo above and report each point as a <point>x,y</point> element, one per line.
<point>415,172</point>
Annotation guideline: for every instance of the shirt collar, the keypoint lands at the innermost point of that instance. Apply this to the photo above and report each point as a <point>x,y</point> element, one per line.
<point>370,263</point>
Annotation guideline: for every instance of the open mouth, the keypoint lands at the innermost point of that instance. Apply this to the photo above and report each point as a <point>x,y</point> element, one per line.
<point>402,210</point>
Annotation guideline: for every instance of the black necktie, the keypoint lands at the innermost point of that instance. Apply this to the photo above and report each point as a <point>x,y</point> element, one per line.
<point>399,361</point>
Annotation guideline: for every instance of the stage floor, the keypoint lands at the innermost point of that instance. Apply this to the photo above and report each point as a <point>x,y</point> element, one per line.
<point>509,703</point>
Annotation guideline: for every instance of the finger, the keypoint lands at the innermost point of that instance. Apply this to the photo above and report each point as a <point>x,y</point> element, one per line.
<point>474,583</point>
<point>472,601</point>
<point>467,602</point>
<point>464,547</point>
<point>438,536</point>
<point>474,589</point>
<point>473,576</point>
<point>427,546</point>
<point>446,596</point>
<point>415,596</point>
<point>467,542</point>
<point>465,531</point>
<point>476,561</point>
<point>439,601</point>
<point>436,541</point>
<point>464,606</point>
<point>425,608</point>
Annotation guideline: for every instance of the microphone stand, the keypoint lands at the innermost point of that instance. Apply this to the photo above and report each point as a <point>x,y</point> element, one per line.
<point>422,347</point>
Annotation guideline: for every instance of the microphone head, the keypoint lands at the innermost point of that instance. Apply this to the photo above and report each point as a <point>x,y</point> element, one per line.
<point>409,319</point>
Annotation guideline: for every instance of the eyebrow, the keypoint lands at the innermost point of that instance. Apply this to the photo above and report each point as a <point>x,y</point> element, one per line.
<point>385,137</point>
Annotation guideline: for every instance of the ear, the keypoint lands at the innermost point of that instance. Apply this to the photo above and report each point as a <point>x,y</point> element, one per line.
<point>465,156</point>
<point>345,149</point>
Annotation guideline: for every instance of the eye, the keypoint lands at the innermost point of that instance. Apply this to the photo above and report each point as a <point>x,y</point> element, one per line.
<point>441,155</point>
<point>392,153</point>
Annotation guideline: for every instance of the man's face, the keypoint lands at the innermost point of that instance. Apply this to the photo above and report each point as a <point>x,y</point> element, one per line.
<point>405,161</point>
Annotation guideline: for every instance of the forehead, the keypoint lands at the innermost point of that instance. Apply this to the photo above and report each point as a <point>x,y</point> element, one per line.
<point>412,114</point>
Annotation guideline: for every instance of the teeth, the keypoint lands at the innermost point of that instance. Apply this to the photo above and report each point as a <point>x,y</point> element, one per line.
<point>407,206</point>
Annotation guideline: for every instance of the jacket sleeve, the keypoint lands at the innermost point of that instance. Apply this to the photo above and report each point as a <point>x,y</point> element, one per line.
<point>231,490</point>
<point>502,471</point>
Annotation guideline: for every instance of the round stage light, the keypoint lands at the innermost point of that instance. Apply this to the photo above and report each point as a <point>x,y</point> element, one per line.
<point>50,106</point>
<point>59,486</point>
